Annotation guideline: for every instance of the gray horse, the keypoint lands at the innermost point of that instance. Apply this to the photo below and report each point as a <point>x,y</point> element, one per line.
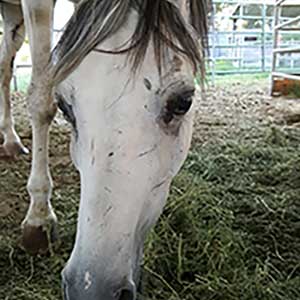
<point>122,74</point>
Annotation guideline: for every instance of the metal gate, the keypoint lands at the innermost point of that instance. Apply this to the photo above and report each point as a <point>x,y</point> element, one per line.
<point>237,50</point>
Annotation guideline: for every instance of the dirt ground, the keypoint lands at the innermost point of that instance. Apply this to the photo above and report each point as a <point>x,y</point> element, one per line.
<point>228,109</point>
<point>236,107</point>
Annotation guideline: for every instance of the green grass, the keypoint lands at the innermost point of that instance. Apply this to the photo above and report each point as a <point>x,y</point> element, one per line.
<point>230,230</point>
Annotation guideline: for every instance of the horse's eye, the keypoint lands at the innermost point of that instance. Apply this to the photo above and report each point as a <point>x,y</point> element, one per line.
<point>176,106</point>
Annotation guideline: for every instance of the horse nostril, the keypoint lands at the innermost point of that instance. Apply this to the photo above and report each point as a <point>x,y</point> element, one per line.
<point>127,293</point>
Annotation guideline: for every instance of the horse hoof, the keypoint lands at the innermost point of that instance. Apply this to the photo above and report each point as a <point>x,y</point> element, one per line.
<point>39,239</point>
<point>9,151</point>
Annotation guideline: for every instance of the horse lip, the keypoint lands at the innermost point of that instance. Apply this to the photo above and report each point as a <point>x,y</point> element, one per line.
<point>65,293</point>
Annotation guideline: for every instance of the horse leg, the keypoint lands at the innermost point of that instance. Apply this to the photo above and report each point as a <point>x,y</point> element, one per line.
<point>40,221</point>
<point>13,38</point>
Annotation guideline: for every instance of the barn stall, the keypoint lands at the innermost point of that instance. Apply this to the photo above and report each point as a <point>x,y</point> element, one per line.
<point>231,228</point>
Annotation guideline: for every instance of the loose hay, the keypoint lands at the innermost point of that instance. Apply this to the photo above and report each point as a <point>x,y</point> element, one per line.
<point>230,231</point>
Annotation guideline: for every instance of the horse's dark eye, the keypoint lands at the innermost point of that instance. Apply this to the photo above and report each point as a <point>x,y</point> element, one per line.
<point>178,105</point>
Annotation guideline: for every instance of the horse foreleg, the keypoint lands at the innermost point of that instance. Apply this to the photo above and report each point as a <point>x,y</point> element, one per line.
<point>12,40</point>
<point>40,220</point>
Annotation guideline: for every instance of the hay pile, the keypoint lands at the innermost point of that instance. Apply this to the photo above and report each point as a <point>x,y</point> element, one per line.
<point>230,231</point>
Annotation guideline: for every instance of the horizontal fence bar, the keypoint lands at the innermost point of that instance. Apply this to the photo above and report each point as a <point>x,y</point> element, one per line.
<point>289,29</point>
<point>243,17</point>
<point>229,72</point>
<point>249,17</point>
<point>249,46</point>
<point>23,66</point>
<point>240,46</point>
<point>287,50</point>
<point>236,17</point>
<point>224,58</point>
<point>258,32</point>
<point>248,71</point>
<point>254,33</point>
<point>258,2</point>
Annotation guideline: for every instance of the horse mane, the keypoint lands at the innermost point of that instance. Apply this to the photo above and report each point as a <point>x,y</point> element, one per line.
<point>159,21</point>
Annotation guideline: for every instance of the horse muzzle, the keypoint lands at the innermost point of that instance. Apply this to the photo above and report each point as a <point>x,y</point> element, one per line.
<point>97,291</point>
